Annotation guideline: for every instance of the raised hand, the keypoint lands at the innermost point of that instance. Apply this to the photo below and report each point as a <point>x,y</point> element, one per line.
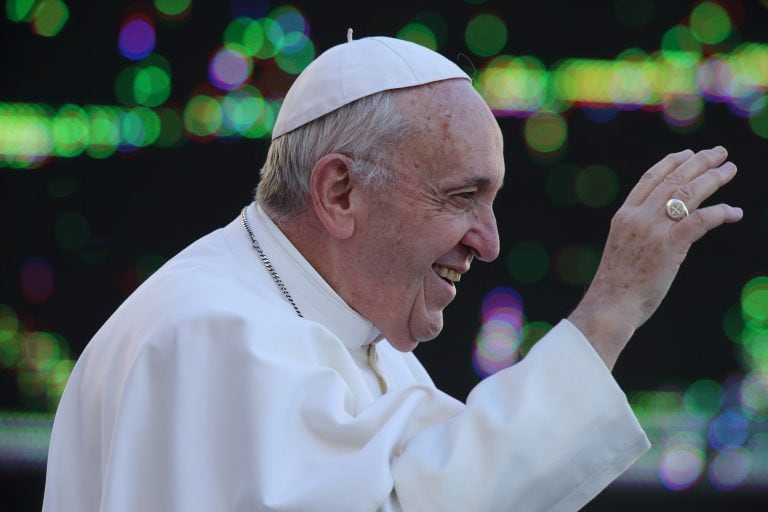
<point>646,245</point>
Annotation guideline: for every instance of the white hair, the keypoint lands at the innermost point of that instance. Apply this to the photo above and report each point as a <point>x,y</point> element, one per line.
<point>366,130</point>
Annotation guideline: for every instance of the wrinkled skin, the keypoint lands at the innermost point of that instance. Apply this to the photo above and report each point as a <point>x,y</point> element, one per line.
<point>386,252</point>
<point>438,215</point>
<point>645,247</point>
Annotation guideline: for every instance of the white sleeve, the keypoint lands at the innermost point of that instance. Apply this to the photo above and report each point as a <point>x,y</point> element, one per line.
<point>547,434</point>
<point>205,418</point>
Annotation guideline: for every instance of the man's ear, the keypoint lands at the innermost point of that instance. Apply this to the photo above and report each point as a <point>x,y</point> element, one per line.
<point>330,187</point>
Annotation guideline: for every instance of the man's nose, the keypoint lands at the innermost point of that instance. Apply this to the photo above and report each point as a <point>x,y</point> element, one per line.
<point>483,237</point>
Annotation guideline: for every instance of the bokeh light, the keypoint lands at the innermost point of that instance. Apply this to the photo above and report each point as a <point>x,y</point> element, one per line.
<point>527,261</point>
<point>20,10</point>
<point>486,34</point>
<point>137,37</point>
<point>50,16</point>
<point>152,81</point>
<point>730,428</point>
<point>545,132</point>
<point>230,66</point>
<point>710,23</point>
<point>679,43</point>
<point>754,300</point>
<point>203,116</point>
<point>173,9</point>
<point>36,279</point>
<point>681,466</point>
<point>576,264</point>
<point>729,468</point>
<point>703,398</point>
<point>560,184</point>
<point>501,333</point>
<point>427,28</point>
<point>512,85</point>
<point>418,33</point>
<point>754,395</point>
<point>596,186</point>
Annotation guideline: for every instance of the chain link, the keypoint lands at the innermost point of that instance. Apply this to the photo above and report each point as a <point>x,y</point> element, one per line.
<point>268,265</point>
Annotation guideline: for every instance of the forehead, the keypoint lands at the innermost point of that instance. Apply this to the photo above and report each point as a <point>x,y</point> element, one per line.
<point>454,135</point>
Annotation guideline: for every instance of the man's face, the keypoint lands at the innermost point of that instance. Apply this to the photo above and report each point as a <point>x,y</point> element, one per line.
<point>421,236</point>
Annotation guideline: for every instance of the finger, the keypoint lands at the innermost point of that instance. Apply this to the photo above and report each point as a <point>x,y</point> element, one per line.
<point>700,188</point>
<point>653,176</point>
<point>696,166</point>
<point>693,227</point>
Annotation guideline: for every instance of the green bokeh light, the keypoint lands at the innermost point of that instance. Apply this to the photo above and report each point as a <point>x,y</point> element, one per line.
<point>755,354</point>
<point>733,324</point>
<point>294,58</point>
<point>710,23</point>
<point>104,132</point>
<point>545,132</point>
<point>50,16</point>
<point>72,231</point>
<point>680,40</point>
<point>576,264</point>
<point>436,24</point>
<point>124,85</point>
<point>528,262</point>
<point>39,351</point>
<point>533,332</point>
<point>596,186</point>
<point>420,34</point>
<point>273,39</point>
<point>9,323</point>
<point>560,184</point>
<point>151,86</point>
<point>754,300</point>
<point>70,131</point>
<point>172,7</point>
<point>19,10</point>
<point>150,123</point>
<point>759,123</point>
<point>171,128</point>
<point>241,110</point>
<point>57,380</point>
<point>514,83</point>
<point>485,35</point>
<point>203,116</point>
<point>703,398</point>
<point>754,395</point>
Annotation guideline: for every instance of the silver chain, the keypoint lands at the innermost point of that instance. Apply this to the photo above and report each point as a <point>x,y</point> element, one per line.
<point>268,265</point>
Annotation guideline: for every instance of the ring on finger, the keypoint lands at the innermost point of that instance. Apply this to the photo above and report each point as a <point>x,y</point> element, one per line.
<point>676,209</point>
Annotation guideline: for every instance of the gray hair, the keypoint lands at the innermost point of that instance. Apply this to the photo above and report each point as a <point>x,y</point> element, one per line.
<point>366,130</point>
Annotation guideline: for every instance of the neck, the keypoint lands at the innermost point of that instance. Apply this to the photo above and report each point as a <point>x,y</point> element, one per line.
<point>308,235</point>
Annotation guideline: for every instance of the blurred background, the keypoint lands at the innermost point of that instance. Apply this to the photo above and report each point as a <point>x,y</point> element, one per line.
<point>129,129</point>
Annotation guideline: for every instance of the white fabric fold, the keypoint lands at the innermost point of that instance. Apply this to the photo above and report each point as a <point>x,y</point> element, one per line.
<point>205,391</point>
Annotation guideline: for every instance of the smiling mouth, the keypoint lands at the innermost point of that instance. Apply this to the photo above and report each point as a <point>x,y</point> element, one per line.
<point>447,273</point>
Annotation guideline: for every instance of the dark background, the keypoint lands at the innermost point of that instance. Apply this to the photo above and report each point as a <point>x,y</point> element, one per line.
<point>156,201</point>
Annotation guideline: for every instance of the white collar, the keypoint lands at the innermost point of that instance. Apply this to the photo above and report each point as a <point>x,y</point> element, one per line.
<point>315,298</point>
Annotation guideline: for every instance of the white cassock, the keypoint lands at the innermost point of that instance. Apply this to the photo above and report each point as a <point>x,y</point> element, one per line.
<point>206,392</point>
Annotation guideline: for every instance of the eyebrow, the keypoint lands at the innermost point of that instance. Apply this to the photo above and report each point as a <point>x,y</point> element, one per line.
<point>477,181</point>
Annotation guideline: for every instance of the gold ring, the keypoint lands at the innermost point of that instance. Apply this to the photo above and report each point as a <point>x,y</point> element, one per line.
<point>676,209</point>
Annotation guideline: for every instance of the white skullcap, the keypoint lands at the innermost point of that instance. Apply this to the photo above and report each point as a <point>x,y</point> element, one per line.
<point>355,69</point>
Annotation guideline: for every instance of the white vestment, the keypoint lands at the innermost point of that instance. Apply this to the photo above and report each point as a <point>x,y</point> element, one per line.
<point>206,392</point>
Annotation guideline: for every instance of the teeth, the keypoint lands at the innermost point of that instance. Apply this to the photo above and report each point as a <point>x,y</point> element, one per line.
<point>447,273</point>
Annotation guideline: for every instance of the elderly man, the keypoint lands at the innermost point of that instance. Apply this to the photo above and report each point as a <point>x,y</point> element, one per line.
<point>268,366</point>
